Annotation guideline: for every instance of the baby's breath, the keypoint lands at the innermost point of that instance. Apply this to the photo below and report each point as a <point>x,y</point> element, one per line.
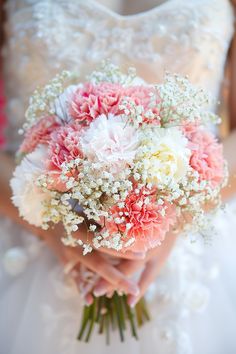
<point>41,102</point>
<point>93,188</point>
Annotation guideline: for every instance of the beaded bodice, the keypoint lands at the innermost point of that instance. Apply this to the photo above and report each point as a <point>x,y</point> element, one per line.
<point>45,36</point>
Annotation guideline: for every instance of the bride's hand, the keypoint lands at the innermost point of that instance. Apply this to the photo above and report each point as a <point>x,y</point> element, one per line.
<point>73,256</point>
<point>151,267</point>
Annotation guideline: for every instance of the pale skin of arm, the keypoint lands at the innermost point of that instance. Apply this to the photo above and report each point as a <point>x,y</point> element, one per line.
<point>112,278</point>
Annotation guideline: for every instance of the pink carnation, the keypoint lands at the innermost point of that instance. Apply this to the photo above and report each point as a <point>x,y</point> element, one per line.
<point>38,134</point>
<point>207,155</point>
<point>148,226</point>
<point>141,96</point>
<point>64,146</point>
<point>91,101</point>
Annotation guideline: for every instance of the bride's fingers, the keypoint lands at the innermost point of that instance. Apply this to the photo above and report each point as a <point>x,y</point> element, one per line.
<point>127,267</point>
<point>162,251</point>
<point>88,299</point>
<point>153,267</point>
<point>116,278</point>
<point>95,262</point>
<point>125,255</point>
<point>148,276</point>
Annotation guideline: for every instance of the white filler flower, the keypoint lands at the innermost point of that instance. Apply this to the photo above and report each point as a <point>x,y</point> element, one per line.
<point>26,195</point>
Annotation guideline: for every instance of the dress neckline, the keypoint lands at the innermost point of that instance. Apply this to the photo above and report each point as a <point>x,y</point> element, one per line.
<point>142,14</point>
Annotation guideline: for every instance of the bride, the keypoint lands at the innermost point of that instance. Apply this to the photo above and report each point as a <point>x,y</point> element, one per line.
<point>191,286</point>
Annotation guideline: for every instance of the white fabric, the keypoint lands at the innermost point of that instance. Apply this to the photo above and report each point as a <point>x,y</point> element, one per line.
<point>185,37</point>
<point>40,309</point>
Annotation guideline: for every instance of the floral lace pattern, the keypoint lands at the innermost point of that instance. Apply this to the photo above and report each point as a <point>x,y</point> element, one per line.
<point>84,33</point>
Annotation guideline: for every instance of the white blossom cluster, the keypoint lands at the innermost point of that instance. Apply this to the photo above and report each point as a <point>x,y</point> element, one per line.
<point>121,154</point>
<point>183,102</point>
<point>112,73</point>
<point>40,103</point>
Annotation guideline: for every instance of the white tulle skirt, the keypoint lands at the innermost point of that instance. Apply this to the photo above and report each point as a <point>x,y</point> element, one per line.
<point>192,303</point>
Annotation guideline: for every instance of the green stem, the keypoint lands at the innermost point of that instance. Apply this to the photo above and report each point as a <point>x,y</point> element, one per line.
<point>131,318</point>
<point>118,315</point>
<point>92,319</point>
<point>85,320</point>
<point>112,313</point>
<point>145,309</point>
<point>99,308</point>
<point>107,325</point>
<point>139,314</point>
<point>122,311</point>
<point>101,326</point>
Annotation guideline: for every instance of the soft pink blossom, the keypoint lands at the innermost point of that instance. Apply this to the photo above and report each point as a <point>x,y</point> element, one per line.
<point>141,96</point>
<point>148,225</point>
<point>63,147</point>
<point>38,134</point>
<point>90,101</point>
<point>206,154</point>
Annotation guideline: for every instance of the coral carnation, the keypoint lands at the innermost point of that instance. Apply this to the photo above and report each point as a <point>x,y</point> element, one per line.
<point>141,96</point>
<point>206,155</point>
<point>90,101</point>
<point>148,221</point>
<point>38,134</point>
<point>64,146</point>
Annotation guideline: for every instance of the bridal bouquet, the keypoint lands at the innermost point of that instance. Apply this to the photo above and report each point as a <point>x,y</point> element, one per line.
<point>126,158</point>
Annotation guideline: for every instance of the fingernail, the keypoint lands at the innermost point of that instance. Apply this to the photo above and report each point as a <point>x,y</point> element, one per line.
<point>132,301</point>
<point>89,300</point>
<point>120,293</point>
<point>110,294</point>
<point>133,289</point>
<point>140,255</point>
<point>84,290</point>
<point>99,291</point>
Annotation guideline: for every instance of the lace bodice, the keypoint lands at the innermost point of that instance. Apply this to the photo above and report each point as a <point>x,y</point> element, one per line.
<point>44,36</point>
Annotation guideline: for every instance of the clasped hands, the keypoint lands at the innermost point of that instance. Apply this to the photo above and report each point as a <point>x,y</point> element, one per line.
<point>112,278</point>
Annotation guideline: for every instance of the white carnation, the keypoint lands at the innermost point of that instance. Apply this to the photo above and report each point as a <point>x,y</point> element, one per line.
<point>110,140</point>
<point>26,195</point>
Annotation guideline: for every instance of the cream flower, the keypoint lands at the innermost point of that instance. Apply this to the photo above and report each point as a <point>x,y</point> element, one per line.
<point>26,195</point>
<point>163,156</point>
<point>110,140</point>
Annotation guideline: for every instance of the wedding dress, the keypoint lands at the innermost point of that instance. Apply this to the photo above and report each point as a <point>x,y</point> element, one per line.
<point>192,303</point>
